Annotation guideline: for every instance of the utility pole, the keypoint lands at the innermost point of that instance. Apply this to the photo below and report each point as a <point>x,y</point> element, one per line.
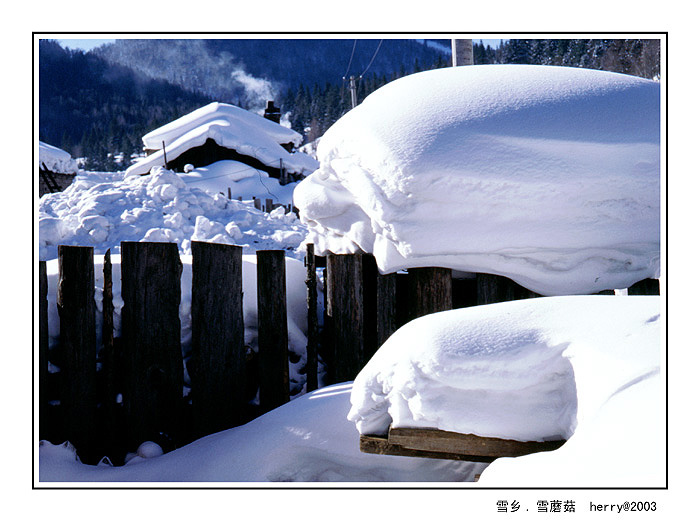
<point>462,52</point>
<point>353,92</point>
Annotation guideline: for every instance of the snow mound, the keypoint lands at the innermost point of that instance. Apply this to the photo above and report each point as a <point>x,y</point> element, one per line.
<point>547,175</point>
<point>161,207</point>
<point>528,370</point>
<point>56,160</point>
<point>241,179</point>
<point>230,127</point>
<point>306,440</point>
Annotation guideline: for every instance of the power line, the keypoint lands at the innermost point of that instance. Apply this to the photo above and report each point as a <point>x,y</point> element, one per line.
<point>350,62</point>
<point>372,60</point>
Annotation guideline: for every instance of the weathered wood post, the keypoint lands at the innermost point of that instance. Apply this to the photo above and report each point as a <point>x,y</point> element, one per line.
<point>430,290</point>
<point>495,288</point>
<point>75,300</point>
<point>387,322</point>
<point>218,346</point>
<point>369,306</point>
<point>151,334</point>
<point>645,287</point>
<point>345,310</point>
<point>312,320</point>
<point>111,364</point>
<point>272,329</point>
<point>44,428</point>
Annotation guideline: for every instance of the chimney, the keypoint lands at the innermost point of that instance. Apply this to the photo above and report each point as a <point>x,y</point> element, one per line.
<point>271,112</point>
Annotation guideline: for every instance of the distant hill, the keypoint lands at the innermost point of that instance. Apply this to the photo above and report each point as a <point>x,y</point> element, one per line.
<point>92,108</point>
<point>247,72</point>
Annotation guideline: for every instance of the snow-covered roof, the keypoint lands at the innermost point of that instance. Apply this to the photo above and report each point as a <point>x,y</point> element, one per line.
<point>547,175</point>
<point>56,160</point>
<point>223,114</point>
<point>230,127</point>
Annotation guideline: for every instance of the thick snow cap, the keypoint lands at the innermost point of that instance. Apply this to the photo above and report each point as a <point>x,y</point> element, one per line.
<point>547,175</point>
<point>527,370</point>
<point>230,127</point>
<point>56,160</point>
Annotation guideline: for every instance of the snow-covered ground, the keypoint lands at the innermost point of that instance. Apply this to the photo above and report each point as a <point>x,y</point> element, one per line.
<point>457,369</point>
<point>101,210</point>
<point>547,175</point>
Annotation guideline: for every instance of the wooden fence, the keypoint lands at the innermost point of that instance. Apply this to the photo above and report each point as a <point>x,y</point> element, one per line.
<point>108,399</point>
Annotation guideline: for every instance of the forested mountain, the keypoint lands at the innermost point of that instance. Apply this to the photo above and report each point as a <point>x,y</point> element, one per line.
<point>94,109</point>
<point>100,103</point>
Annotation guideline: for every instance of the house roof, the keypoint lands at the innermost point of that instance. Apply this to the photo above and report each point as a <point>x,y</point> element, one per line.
<point>231,127</point>
<point>56,160</point>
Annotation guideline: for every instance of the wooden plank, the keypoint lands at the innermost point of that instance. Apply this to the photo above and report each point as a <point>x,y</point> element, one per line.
<point>217,367</point>
<point>44,427</point>
<point>430,291</point>
<point>75,300</point>
<point>151,334</point>
<point>433,440</point>
<point>272,329</point>
<point>312,320</point>
<point>345,311</point>
<point>381,445</point>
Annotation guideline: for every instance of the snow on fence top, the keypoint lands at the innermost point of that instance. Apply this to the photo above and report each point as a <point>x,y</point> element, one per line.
<point>527,370</point>
<point>547,175</point>
<point>230,127</point>
<point>56,160</point>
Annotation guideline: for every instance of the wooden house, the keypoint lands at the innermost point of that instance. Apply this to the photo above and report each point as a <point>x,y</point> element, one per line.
<point>57,169</point>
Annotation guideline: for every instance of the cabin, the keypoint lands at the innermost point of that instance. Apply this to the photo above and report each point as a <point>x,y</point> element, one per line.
<point>220,131</point>
<point>57,169</point>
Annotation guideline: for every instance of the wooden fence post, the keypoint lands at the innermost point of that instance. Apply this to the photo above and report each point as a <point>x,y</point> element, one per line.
<point>111,435</point>
<point>44,428</point>
<point>369,306</point>
<point>75,300</point>
<point>495,288</point>
<point>345,310</point>
<point>312,321</point>
<point>151,333</point>
<point>386,307</point>
<point>430,290</point>
<point>645,287</point>
<point>218,347</point>
<point>272,329</point>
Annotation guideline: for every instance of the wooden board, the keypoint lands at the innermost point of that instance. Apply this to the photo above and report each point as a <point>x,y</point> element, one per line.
<point>433,443</point>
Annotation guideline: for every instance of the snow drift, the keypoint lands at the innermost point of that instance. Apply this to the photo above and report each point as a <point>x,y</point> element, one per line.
<point>547,175</point>
<point>305,440</point>
<point>528,370</point>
